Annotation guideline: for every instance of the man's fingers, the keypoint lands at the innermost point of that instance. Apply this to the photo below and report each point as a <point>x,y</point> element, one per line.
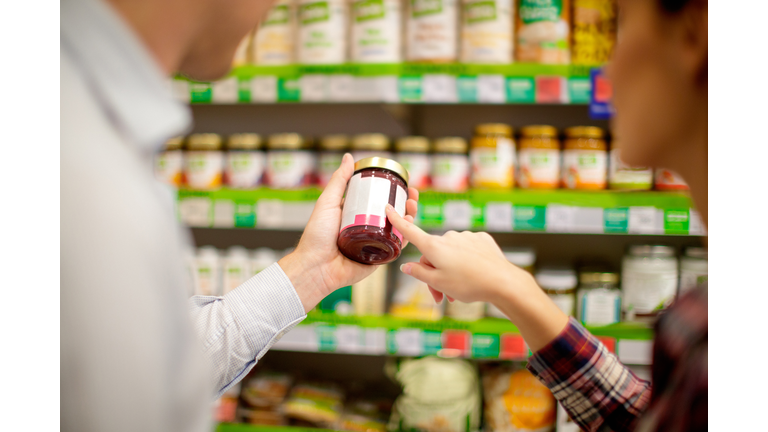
<point>437,295</point>
<point>335,188</point>
<point>421,272</point>
<point>410,232</point>
<point>411,207</point>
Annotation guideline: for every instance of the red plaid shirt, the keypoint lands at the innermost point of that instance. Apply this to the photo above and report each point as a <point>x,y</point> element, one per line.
<point>600,393</point>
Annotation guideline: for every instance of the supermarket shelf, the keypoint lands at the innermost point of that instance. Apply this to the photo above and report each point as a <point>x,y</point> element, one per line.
<point>487,339</point>
<point>394,83</point>
<point>517,210</point>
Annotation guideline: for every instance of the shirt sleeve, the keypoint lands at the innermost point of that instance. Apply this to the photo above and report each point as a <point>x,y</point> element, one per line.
<point>591,384</point>
<point>236,330</point>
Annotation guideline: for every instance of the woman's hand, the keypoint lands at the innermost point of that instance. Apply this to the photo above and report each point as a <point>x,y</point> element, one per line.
<point>316,268</point>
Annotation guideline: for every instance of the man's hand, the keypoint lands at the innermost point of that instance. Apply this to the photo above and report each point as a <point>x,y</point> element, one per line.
<point>316,268</point>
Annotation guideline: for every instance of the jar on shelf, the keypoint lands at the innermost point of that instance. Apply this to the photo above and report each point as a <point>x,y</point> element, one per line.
<point>332,148</point>
<point>411,298</point>
<point>273,43</point>
<point>366,235</point>
<point>376,31</point>
<point>450,165</point>
<point>543,32</point>
<point>493,157</point>
<point>649,281</point>
<point>369,296</point>
<point>244,167</point>
<point>236,268</point>
<point>262,258</point>
<point>559,283</point>
<point>203,161</point>
<point>244,51</point>
<point>290,161</point>
<point>487,31</point>
<point>168,163</point>
<point>668,180</point>
<point>461,311</point>
<point>624,177</point>
<point>432,31</point>
<point>523,257</point>
<point>585,158</point>
<point>413,155</point>
<point>322,31</point>
<point>594,31</point>
<point>538,158</point>
<point>599,297</point>
<point>693,269</point>
<point>206,272</point>
<point>370,145</point>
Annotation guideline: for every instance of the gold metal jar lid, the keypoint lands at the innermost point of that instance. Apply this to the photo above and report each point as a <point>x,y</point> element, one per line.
<point>412,144</point>
<point>204,141</point>
<point>174,143</point>
<point>593,277</point>
<point>285,141</point>
<point>539,131</point>
<point>373,141</point>
<point>494,129</point>
<point>334,142</point>
<point>384,163</point>
<point>584,132</point>
<point>451,145</point>
<point>244,141</point>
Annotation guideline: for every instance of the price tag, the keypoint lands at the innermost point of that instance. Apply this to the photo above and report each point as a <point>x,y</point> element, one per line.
<point>375,341</point>
<point>642,220</point>
<point>264,89</point>
<point>551,89</point>
<point>313,88</point>
<point>225,91</point>
<point>559,218</point>
<point>387,89</point>
<point>457,215</point>
<point>695,226</point>
<point>408,342</point>
<point>300,338</point>
<point>365,89</point>
<point>438,88</point>
<point>223,214</point>
<point>341,88</point>
<point>498,216</point>
<point>588,220</point>
<point>635,352</point>
<point>195,211</point>
<point>297,214</point>
<point>349,339</point>
<point>269,213</point>
<point>180,90</point>
<point>490,89</point>
<point>513,347</point>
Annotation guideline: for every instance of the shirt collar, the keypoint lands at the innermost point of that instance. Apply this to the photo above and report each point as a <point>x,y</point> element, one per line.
<point>122,73</point>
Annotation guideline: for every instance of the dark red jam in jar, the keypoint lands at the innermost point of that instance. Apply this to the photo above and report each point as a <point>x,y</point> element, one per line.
<point>366,235</point>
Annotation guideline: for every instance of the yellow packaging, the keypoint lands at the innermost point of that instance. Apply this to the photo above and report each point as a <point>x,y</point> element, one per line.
<point>518,402</point>
<point>594,31</point>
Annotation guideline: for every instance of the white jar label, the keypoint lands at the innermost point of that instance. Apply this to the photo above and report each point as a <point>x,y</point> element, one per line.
<point>450,173</point>
<point>432,30</point>
<point>564,302</point>
<point>584,169</point>
<point>322,31</point>
<point>289,169</point>
<point>493,167</point>
<point>366,199</point>
<point>623,176</point>
<point>274,38</point>
<point>376,31</point>
<point>244,169</point>
<point>539,168</point>
<point>168,167</point>
<point>647,292</point>
<point>329,162</point>
<point>486,31</point>
<point>203,169</point>
<point>418,166</point>
<point>691,279</point>
<point>599,306</point>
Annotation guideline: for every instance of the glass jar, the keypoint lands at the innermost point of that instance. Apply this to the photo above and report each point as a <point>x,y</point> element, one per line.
<point>262,258</point>
<point>649,281</point>
<point>274,40</point>
<point>523,257</point>
<point>236,268</point>
<point>432,31</point>
<point>693,269</point>
<point>560,285</point>
<point>486,31</point>
<point>667,180</point>
<point>411,298</point>
<point>461,311</point>
<point>322,31</point>
<point>594,31</point>
<point>538,158</point>
<point>203,161</point>
<point>413,155</point>
<point>332,148</point>
<point>376,31</point>
<point>245,161</point>
<point>369,296</point>
<point>243,52</point>
<point>543,31</point>
<point>585,158</point>
<point>169,162</point>
<point>366,235</point>
<point>207,271</point>
<point>599,297</point>
<point>493,157</point>
<point>450,165</point>
<point>290,161</point>
<point>370,145</point>
<point>624,177</point>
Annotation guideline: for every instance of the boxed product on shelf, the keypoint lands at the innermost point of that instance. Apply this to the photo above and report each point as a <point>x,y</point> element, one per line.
<point>515,401</point>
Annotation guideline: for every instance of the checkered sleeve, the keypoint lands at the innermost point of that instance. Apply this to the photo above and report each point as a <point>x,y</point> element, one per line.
<point>592,385</point>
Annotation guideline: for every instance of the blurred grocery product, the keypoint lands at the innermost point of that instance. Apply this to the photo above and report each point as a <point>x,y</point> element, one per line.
<point>262,258</point>
<point>492,157</point>
<point>206,271</point>
<point>538,158</point>
<point>432,30</point>
<point>649,277</point>
<point>624,177</point>
<point>226,405</point>
<point>339,301</point>
<point>362,416</point>
<point>594,31</point>
<point>370,145</point>
<point>244,51</point>
<point>266,390</point>
<point>332,149</point>
<point>169,162</point>
<point>543,31</point>
<point>412,298</point>
<point>523,257</point>
<point>465,311</point>
<point>560,285</point>
<point>585,158</point>
<point>438,395</point>
<point>693,268</point>
<point>599,297</point>
<point>319,404</point>
<point>244,165</point>
<point>236,268</point>
<point>667,180</point>
<point>450,165</point>
<point>487,31</point>
<point>273,43</point>
<point>290,161</point>
<point>515,401</point>
<point>369,296</point>
<point>413,155</point>
<point>376,31</point>
<point>203,161</point>
<point>322,35</point>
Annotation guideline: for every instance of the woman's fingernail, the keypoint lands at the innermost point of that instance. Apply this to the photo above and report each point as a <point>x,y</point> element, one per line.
<point>405,268</point>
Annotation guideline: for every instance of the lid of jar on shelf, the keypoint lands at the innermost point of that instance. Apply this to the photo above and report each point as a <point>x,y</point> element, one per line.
<point>372,141</point>
<point>174,143</point>
<point>659,251</point>
<point>521,257</point>
<point>539,130</point>
<point>556,278</point>
<point>450,145</point>
<point>494,129</point>
<point>286,141</point>
<point>413,144</point>
<point>204,141</point>
<point>591,276</point>
<point>237,252</point>
<point>244,141</point>
<point>696,252</point>
<point>385,163</point>
<point>334,142</point>
<point>584,132</point>
<point>264,255</point>
<point>207,252</point>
